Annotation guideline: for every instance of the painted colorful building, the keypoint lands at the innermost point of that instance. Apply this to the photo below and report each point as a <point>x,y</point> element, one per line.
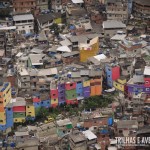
<point>96,86</point>
<point>86,88</point>
<point>89,50</point>
<point>134,89</point>
<point>147,76</point>
<point>5,97</point>
<point>61,93</point>
<point>70,93</point>
<point>112,73</point>
<point>79,90</point>
<point>54,97</point>
<point>30,111</point>
<point>19,110</point>
<point>119,84</point>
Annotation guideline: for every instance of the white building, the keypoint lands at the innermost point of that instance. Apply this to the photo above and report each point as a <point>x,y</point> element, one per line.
<point>24,23</point>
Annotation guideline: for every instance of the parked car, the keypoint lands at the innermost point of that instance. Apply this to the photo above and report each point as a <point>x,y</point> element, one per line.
<point>49,119</point>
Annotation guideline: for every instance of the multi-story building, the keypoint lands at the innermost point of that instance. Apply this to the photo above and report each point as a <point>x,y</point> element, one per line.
<point>89,50</point>
<point>24,23</point>
<point>70,94</point>
<point>23,6</point>
<point>96,86</point>
<point>61,93</point>
<point>117,10</point>
<point>2,40</point>
<point>23,80</point>
<point>42,4</point>
<point>19,110</point>
<point>30,111</point>
<point>58,6</point>
<point>119,84</point>
<point>110,27</point>
<point>141,9</point>
<point>5,97</point>
<point>136,85</point>
<point>147,76</point>
<point>86,88</point>
<point>54,94</point>
<point>112,73</point>
<point>77,141</point>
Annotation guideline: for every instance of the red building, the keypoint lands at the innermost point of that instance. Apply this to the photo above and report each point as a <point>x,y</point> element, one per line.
<point>115,73</point>
<point>147,76</point>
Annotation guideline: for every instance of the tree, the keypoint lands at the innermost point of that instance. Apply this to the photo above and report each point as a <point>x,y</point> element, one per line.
<point>43,112</point>
<point>54,27</point>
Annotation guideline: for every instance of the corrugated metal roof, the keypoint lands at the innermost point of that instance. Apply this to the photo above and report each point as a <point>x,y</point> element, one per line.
<point>113,24</point>
<point>23,17</point>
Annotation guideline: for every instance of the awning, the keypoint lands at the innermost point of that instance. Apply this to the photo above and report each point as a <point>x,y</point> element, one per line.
<point>69,126</point>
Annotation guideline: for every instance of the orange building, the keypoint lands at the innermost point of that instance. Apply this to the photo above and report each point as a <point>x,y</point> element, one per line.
<point>89,50</point>
<point>96,86</point>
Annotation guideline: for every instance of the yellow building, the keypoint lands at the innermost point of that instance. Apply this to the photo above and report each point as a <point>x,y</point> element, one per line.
<point>30,111</point>
<point>2,118</point>
<point>19,120</point>
<point>86,83</point>
<point>120,84</point>
<point>5,94</point>
<point>89,50</point>
<point>54,101</point>
<point>5,97</point>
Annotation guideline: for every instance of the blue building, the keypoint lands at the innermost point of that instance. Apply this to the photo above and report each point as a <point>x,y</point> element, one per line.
<point>79,90</point>
<point>45,103</point>
<point>109,76</point>
<point>9,115</point>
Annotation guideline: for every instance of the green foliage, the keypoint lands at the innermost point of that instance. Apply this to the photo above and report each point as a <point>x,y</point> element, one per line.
<point>4,12</point>
<point>43,112</point>
<point>54,27</point>
<point>97,102</point>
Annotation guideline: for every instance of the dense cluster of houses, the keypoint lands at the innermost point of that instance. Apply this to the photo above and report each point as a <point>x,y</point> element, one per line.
<point>61,52</point>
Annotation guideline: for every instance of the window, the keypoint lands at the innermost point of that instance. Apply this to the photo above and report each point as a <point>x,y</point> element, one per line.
<point>146,82</point>
<point>54,99</point>
<point>47,102</point>
<point>147,89</point>
<point>9,109</point>
<point>71,84</point>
